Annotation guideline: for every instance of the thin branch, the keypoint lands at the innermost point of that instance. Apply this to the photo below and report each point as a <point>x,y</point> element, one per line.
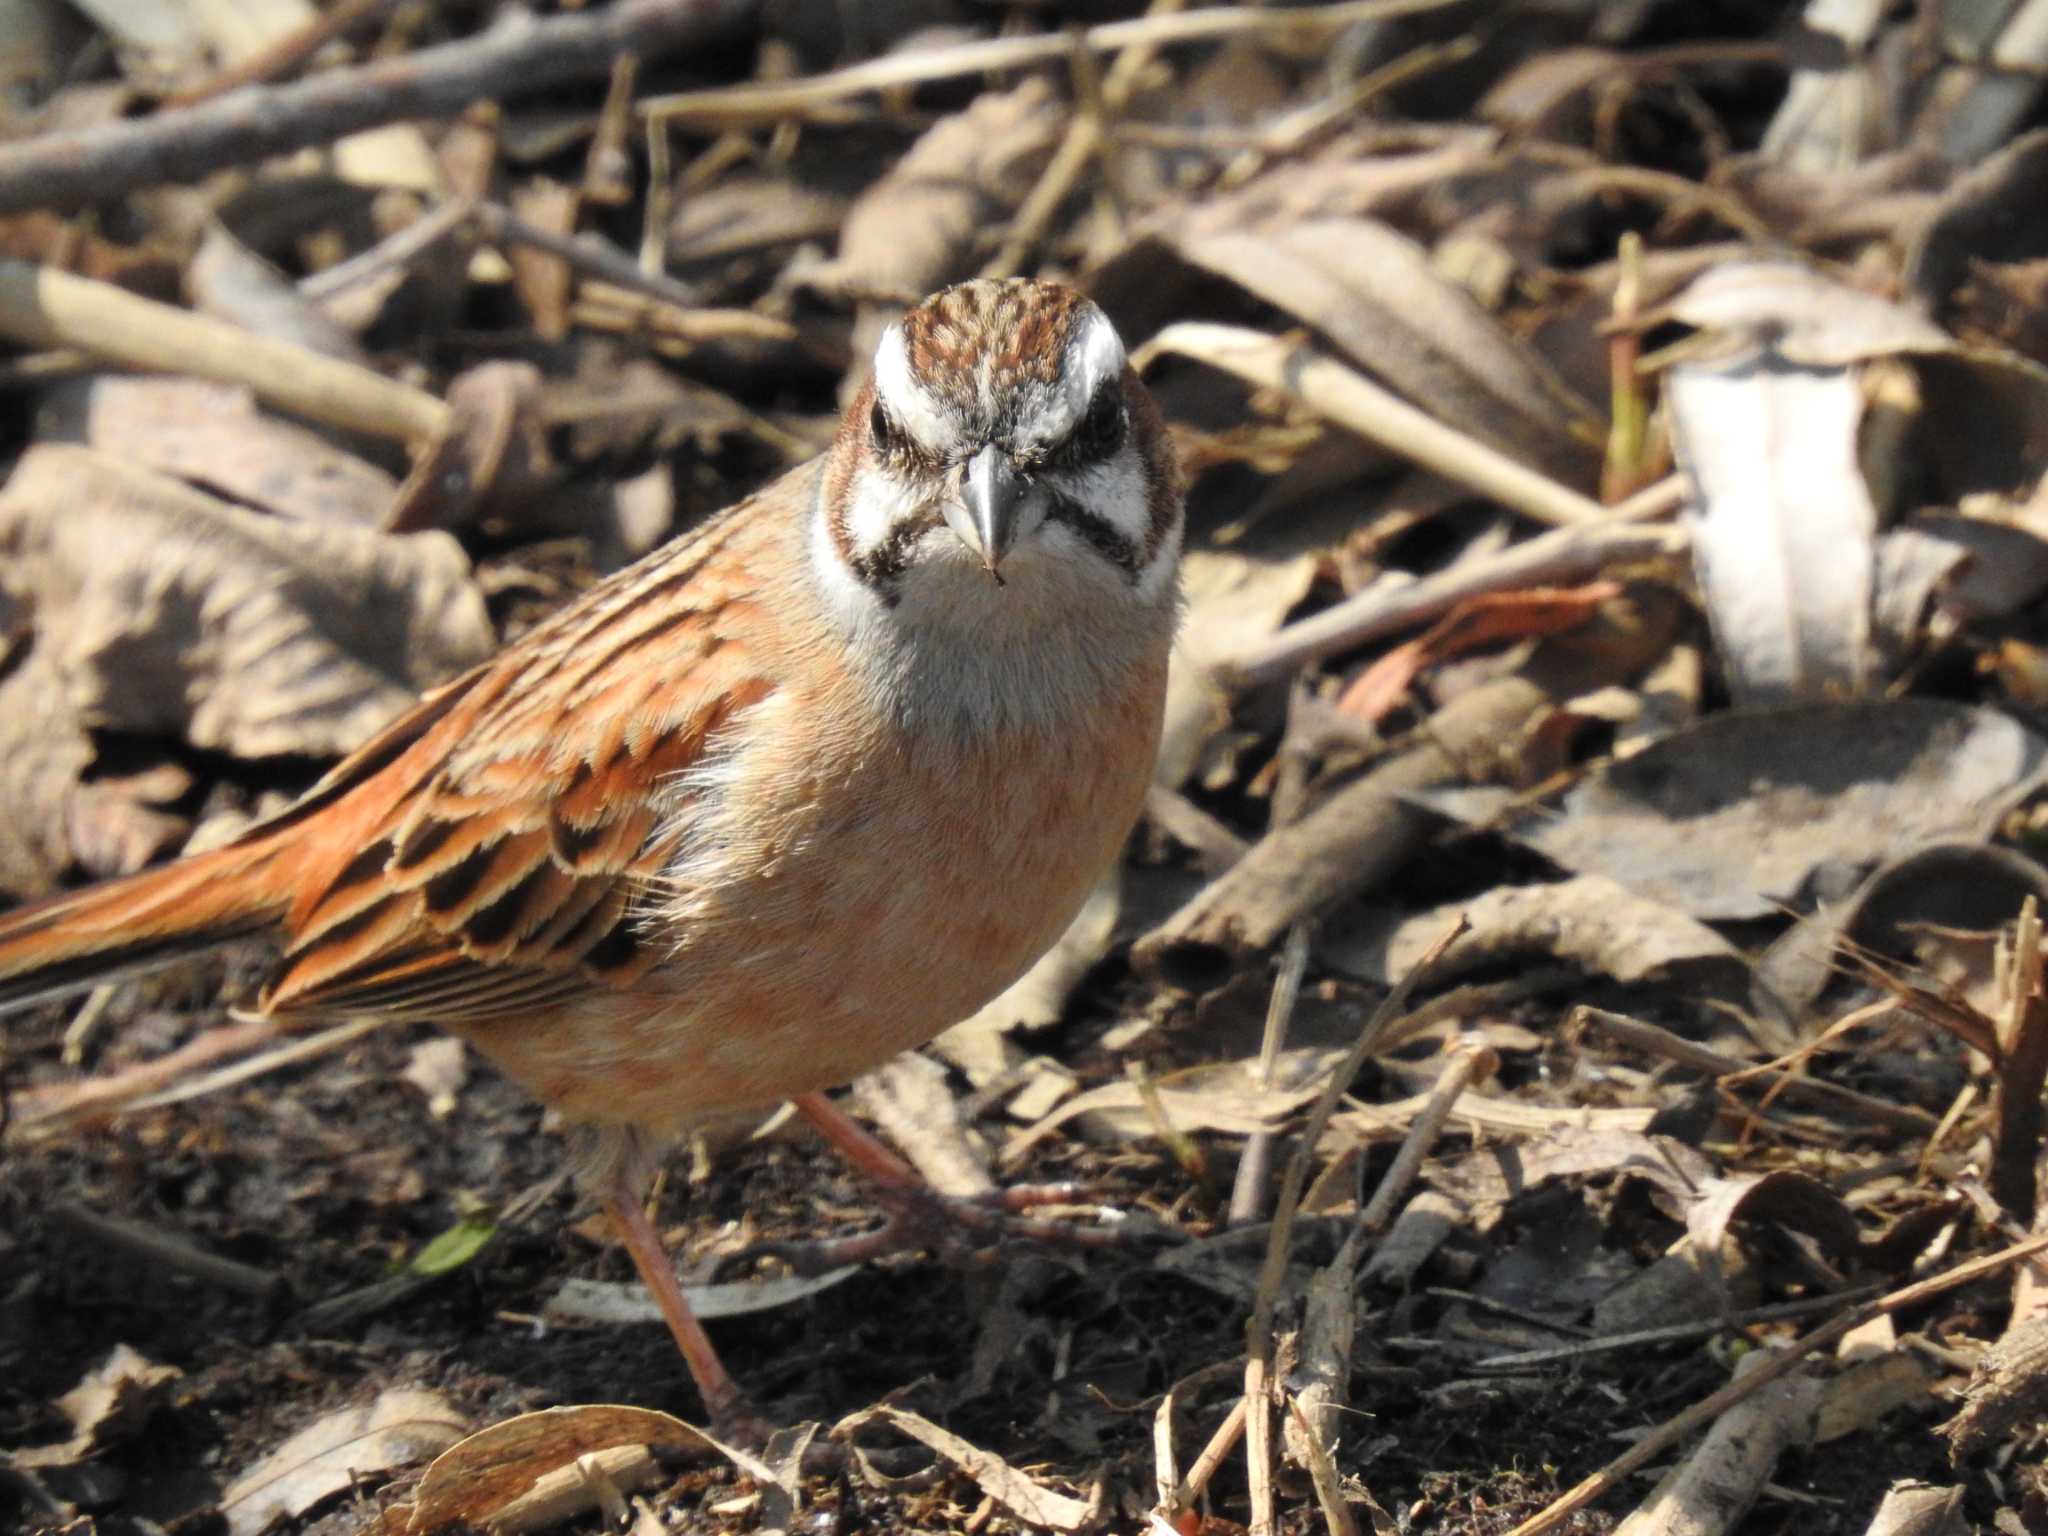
<point>64,171</point>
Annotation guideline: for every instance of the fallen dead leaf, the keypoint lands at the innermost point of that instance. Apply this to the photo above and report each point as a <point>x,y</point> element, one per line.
<point>1478,621</point>
<point>171,613</point>
<point>1591,921</point>
<point>473,1480</point>
<point>110,1405</point>
<point>335,1452</point>
<point>607,1302</point>
<point>214,436</point>
<point>1785,537</point>
<point>918,227</point>
<point>1752,811</point>
<point>1782,1196</point>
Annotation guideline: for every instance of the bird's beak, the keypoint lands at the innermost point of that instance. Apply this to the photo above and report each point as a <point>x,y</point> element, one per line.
<point>991,496</point>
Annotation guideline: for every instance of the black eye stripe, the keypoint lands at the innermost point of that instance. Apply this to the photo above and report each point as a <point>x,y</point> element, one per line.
<point>882,566</point>
<point>1099,534</point>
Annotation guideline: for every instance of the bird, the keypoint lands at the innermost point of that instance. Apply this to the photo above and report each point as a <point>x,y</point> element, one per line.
<point>790,795</point>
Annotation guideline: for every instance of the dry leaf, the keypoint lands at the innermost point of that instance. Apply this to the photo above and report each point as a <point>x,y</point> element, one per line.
<point>43,752</point>
<point>228,280</point>
<point>1784,542</point>
<point>471,1481</point>
<point>1809,319</point>
<point>170,613</point>
<point>1475,622</point>
<point>1591,921</point>
<point>610,1303</point>
<point>1749,812</point>
<point>330,1455</point>
<point>214,436</point>
<point>110,1405</point>
<point>1789,1199</point>
<point>1375,293</point>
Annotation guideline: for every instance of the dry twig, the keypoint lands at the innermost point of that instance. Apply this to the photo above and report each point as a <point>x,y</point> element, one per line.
<point>43,307</point>
<point>739,106</point>
<point>1711,1407</point>
<point>90,165</point>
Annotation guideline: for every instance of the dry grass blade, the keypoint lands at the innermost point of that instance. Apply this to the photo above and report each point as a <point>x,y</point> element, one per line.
<point>1259,1331</point>
<point>739,106</point>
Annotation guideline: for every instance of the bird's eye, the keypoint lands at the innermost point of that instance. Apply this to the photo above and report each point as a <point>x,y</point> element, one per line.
<point>1101,431</point>
<point>887,435</point>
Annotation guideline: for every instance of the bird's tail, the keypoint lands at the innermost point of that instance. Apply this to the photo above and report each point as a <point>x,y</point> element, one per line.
<point>72,941</point>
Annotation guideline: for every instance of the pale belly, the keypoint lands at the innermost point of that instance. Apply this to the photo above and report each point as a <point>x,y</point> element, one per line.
<point>842,920</point>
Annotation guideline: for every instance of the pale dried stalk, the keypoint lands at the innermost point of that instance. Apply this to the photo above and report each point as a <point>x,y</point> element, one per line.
<point>42,307</point>
<point>1322,1471</point>
<point>1220,1445</point>
<point>44,1110</point>
<point>1342,394</point>
<point>1690,1053</point>
<point>1708,1492</point>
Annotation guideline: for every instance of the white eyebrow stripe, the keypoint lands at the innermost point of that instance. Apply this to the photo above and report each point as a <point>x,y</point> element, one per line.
<point>1095,354</point>
<point>906,399</point>
<point>1100,352</point>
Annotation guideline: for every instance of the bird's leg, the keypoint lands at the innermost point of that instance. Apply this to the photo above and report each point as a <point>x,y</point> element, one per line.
<point>921,1217</point>
<point>723,1400</point>
<point>864,1151</point>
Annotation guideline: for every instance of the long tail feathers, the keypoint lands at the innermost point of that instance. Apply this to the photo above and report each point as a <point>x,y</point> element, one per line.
<point>69,942</point>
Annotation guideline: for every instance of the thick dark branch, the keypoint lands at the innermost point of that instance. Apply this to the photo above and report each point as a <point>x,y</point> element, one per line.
<point>71,170</point>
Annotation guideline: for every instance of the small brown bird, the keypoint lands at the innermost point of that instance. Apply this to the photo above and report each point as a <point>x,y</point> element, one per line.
<point>789,796</point>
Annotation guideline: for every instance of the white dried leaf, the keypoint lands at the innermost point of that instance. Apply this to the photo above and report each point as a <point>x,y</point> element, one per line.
<point>1749,812</point>
<point>1784,536</point>
<point>1590,921</point>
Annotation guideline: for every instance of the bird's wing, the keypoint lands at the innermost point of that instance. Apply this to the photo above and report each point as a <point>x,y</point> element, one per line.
<point>481,856</point>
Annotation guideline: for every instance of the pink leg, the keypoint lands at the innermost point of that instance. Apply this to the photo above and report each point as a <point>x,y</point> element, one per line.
<point>722,1397</point>
<point>919,1216</point>
<point>864,1152</point>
